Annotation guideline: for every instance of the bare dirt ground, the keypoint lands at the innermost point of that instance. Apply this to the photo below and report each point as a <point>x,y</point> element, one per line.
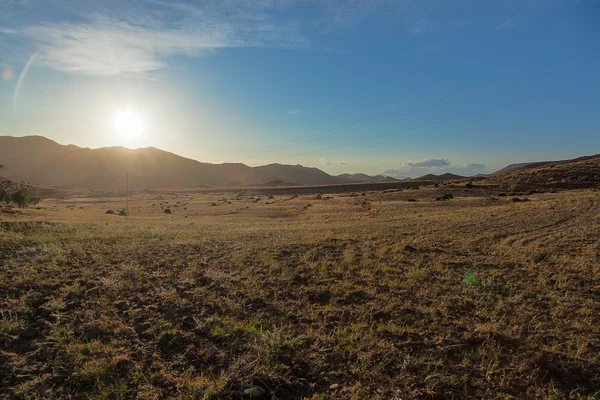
<point>366,295</point>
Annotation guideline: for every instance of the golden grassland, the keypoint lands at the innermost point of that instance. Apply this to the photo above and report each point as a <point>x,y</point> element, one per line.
<point>342,296</point>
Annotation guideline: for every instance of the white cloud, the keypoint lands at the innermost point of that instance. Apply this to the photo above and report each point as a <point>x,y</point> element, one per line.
<point>433,166</point>
<point>430,162</point>
<point>140,37</point>
<point>128,38</point>
<point>110,46</point>
<point>326,161</point>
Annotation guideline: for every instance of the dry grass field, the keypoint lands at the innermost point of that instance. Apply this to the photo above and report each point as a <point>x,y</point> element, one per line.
<point>384,296</point>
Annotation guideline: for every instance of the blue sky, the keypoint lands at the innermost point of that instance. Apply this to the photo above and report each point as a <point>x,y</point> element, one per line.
<point>275,81</point>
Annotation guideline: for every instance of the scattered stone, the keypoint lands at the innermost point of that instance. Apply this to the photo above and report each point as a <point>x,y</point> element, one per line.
<point>121,304</point>
<point>410,249</point>
<point>168,211</point>
<point>109,212</point>
<point>29,333</point>
<point>335,386</point>
<point>123,213</point>
<point>445,197</point>
<point>188,322</point>
<point>255,392</point>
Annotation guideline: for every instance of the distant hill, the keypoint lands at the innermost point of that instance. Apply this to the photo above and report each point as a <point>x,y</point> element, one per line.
<point>538,164</point>
<point>440,178</point>
<point>363,178</point>
<point>41,161</point>
<point>297,173</point>
<point>518,166</point>
<point>581,172</point>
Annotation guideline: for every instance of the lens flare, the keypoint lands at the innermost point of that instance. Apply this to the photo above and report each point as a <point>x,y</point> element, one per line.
<point>7,74</point>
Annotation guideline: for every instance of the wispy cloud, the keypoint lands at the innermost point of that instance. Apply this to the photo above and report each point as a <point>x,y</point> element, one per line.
<point>526,10</point>
<point>433,166</point>
<point>326,161</point>
<point>430,162</point>
<point>127,38</point>
<point>109,46</point>
<point>107,37</point>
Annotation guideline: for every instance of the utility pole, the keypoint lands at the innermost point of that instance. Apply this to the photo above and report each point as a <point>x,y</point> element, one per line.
<point>127,200</point>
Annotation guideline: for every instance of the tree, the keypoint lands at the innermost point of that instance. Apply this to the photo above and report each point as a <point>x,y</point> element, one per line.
<point>21,194</point>
<point>5,192</point>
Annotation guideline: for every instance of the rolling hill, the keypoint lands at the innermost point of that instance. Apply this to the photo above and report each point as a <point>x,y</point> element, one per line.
<point>361,178</point>
<point>581,172</point>
<point>41,161</point>
<point>440,178</point>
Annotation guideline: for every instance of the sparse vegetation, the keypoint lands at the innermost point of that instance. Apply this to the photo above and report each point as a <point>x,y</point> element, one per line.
<point>469,299</point>
<point>18,193</point>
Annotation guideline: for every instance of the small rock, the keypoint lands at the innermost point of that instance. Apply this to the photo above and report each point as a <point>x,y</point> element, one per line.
<point>120,304</point>
<point>255,392</point>
<point>109,212</point>
<point>167,211</point>
<point>29,333</point>
<point>335,386</point>
<point>188,322</point>
<point>410,249</point>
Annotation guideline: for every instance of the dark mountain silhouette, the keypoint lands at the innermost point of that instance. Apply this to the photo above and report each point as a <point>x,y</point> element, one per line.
<point>41,161</point>
<point>359,178</point>
<point>440,178</point>
<point>519,166</point>
<point>539,164</point>
<point>297,174</point>
<point>581,172</point>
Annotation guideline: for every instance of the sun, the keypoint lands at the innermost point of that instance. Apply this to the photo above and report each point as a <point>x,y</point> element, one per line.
<point>128,124</point>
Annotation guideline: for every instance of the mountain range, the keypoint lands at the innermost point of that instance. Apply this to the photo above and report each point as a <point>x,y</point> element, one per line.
<point>43,162</point>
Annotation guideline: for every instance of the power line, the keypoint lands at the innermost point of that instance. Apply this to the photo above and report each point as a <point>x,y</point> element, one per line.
<point>381,117</point>
<point>448,119</point>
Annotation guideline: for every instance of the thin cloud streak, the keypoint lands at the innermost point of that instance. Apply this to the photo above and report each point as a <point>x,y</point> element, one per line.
<point>139,38</point>
<point>110,47</point>
<point>21,79</point>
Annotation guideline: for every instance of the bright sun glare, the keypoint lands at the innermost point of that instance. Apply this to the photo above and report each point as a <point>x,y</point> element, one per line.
<point>128,124</point>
